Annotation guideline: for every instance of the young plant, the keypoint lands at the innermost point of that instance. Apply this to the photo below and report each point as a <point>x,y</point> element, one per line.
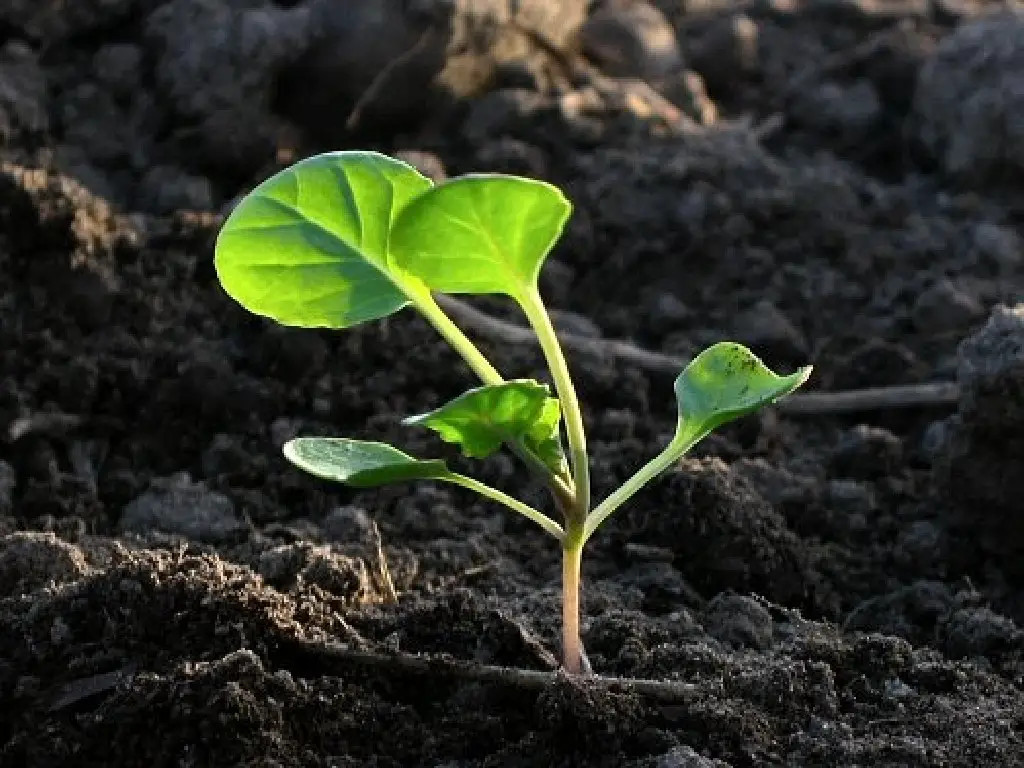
<point>346,237</point>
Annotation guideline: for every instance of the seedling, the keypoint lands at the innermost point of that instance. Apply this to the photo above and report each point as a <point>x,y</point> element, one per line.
<point>343,238</point>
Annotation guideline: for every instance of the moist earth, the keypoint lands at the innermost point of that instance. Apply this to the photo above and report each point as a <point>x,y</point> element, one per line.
<point>830,183</point>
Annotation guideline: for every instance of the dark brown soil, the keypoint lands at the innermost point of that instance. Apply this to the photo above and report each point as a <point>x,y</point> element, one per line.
<point>826,590</point>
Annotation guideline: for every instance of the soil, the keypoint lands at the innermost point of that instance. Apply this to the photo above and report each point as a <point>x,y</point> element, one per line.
<point>835,183</point>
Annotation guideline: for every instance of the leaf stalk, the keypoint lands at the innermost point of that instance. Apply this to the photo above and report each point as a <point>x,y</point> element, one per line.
<point>536,313</point>
<point>526,510</point>
<point>488,374</point>
<point>679,445</point>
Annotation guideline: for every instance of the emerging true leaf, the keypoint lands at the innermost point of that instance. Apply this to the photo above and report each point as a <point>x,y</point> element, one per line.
<point>545,438</point>
<point>480,420</point>
<point>308,247</point>
<point>480,233</point>
<point>360,463</point>
<point>723,383</point>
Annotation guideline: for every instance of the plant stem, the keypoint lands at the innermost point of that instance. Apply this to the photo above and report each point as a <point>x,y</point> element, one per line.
<point>644,475</point>
<point>572,644</point>
<point>526,510</point>
<point>451,333</point>
<point>533,307</point>
<point>575,501</point>
<point>488,374</point>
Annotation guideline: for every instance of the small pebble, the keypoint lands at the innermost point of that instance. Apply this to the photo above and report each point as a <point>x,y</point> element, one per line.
<point>739,621</point>
<point>179,506</point>
<point>631,39</point>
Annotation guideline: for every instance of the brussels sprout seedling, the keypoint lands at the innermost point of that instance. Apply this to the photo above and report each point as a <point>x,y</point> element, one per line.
<point>346,237</point>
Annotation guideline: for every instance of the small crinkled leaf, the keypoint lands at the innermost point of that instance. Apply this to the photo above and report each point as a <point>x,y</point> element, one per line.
<point>308,247</point>
<point>480,420</point>
<point>360,463</point>
<point>545,439</point>
<point>480,234</point>
<point>723,383</point>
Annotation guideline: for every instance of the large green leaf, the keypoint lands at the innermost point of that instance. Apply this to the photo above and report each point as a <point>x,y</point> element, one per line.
<point>723,383</point>
<point>480,420</point>
<point>308,247</point>
<point>360,463</point>
<point>480,233</point>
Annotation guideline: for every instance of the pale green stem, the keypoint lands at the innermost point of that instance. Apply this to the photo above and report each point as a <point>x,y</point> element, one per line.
<point>649,471</point>
<point>533,307</point>
<point>572,643</point>
<point>494,494</point>
<point>488,374</point>
<point>451,333</point>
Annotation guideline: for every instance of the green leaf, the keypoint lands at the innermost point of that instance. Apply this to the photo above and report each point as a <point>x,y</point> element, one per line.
<point>723,383</point>
<point>480,420</point>
<point>480,233</point>
<point>545,440</point>
<point>308,247</point>
<point>360,463</point>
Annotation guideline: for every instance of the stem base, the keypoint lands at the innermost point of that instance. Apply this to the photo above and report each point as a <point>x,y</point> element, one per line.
<point>573,657</point>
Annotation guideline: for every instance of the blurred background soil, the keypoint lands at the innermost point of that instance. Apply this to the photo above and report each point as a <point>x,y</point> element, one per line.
<point>828,181</point>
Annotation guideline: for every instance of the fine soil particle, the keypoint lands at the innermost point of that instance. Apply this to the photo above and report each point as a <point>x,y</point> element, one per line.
<point>826,183</point>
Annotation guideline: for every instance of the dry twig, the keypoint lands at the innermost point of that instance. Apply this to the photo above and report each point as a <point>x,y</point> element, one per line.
<point>933,394</point>
<point>337,658</point>
<point>802,403</point>
<point>375,87</point>
<point>383,571</point>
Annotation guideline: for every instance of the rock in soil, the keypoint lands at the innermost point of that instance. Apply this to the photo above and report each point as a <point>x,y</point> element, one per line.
<point>427,49</point>
<point>178,506</point>
<point>631,39</point>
